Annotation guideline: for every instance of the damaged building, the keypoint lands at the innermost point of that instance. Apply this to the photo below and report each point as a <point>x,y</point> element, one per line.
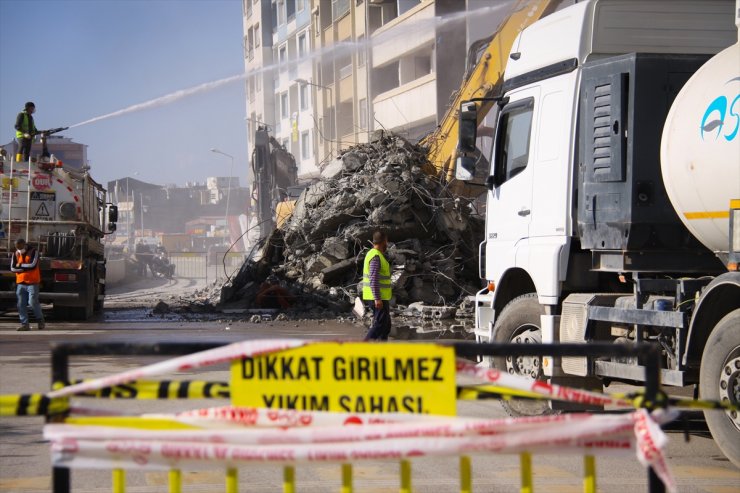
<point>316,257</point>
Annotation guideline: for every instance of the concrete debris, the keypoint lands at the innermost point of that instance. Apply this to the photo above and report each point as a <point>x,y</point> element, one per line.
<point>316,258</point>
<point>161,308</point>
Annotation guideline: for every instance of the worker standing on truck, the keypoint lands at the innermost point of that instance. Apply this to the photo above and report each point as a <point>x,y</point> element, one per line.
<point>27,270</point>
<point>376,287</point>
<point>25,129</point>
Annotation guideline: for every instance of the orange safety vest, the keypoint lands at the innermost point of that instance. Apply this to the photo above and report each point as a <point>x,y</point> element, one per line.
<point>32,276</point>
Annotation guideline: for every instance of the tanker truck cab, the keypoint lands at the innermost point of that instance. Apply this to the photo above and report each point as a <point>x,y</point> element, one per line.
<point>586,238</point>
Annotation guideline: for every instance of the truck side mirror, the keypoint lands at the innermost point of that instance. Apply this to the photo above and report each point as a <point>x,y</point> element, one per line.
<point>467,134</point>
<point>465,168</point>
<point>468,124</point>
<point>112,215</point>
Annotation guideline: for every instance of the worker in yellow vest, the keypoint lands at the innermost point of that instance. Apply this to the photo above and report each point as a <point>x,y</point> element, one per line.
<point>25,264</point>
<point>376,288</point>
<point>25,129</point>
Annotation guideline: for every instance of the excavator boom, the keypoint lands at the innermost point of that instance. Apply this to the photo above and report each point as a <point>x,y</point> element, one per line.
<point>484,80</point>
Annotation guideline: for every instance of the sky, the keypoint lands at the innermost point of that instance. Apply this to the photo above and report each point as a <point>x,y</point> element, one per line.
<point>80,59</point>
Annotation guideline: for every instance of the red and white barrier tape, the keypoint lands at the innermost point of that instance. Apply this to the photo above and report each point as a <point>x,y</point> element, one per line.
<point>493,375</point>
<point>350,430</point>
<point>214,356</point>
<point>593,437</point>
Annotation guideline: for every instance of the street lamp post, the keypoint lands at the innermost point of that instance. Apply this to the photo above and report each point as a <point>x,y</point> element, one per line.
<point>333,127</point>
<point>228,190</point>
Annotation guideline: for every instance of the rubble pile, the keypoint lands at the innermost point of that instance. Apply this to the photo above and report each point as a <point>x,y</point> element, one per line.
<point>318,253</point>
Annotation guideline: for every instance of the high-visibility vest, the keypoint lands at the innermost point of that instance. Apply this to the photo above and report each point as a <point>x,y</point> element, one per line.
<point>32,276</point>
<point>27,125</point>
<point>384,277</point>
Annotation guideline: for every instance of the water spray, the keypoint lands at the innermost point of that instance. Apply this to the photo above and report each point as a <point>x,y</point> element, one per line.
<point>337,49</point>
<point>167,99</point>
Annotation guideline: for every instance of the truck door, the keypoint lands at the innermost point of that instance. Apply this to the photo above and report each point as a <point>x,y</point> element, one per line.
<point>510,201</point>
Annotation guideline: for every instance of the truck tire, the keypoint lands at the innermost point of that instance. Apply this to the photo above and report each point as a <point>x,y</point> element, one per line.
<point>719,379</point>
<point>519,322</point>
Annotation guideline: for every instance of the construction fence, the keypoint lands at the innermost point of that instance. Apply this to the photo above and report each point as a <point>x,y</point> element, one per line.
<point>211,266</point>
<point>305,402</point>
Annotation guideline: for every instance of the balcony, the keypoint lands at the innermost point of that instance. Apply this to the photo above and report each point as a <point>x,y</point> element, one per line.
<point>407,105</point>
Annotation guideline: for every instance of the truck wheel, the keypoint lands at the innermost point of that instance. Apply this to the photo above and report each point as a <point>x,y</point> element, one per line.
<point>719,379</point>
<point>520,323</point>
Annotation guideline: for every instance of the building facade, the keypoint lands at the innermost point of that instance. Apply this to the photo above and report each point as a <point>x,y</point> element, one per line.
<point>327,74</point>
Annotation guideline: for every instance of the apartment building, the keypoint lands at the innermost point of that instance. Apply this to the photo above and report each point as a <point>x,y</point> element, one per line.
<point>326,74</point>
<point>277,50</point>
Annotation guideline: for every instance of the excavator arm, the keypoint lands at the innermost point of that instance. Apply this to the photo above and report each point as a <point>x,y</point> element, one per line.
<point>483,81</point>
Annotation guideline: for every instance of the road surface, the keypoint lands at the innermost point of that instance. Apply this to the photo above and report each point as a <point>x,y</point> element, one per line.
<point>698,464</point>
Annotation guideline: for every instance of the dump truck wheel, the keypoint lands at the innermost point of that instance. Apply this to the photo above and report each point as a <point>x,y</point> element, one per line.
<point>719,379</point>
<point>520,323</point>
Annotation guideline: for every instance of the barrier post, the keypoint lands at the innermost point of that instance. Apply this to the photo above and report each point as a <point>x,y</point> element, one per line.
<point>119,481</point>
<point>60,476</point>
<point>466,478</point>
<point>175,480</point>
<point>289,479</point>
<point>589,474</point>
<point>346,478</point>
<point>525,466</point>
<point>651,361</point>
<point>232,480</point>
<point>405,476</point>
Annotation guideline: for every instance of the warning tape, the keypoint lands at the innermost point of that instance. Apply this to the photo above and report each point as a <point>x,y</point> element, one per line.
<point>31,405</point>
<point>637,399</point>
<point>143,448</point>
<point>223,354</point>
<point>164,389</point>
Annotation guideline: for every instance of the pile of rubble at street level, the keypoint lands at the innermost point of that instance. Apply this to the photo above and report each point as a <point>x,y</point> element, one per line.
<point>316,257</point>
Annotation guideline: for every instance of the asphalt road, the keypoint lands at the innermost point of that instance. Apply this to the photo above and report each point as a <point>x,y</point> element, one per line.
<point>698,464</point>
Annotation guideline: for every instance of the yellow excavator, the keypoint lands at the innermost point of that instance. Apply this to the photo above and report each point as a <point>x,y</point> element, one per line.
<point>482,81</point>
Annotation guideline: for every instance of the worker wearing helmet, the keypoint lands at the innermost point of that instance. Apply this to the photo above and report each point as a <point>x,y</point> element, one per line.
<point>376,287</point>
<point>25,264</point>
<point>25,129</point>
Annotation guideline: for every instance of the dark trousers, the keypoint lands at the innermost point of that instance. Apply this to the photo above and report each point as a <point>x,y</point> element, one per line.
<point>381,325</point>
<point>24,147</point>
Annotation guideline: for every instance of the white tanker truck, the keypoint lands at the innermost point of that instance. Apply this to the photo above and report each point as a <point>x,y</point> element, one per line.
<point>613,203</point>
<point>63,213</point>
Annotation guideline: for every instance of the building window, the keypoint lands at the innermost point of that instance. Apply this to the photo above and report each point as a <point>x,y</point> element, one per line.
<point>283,56</point>
<point>250,44</point>
<point>257,34</point>
<point>361,51</point>
<point>304,96</point>
<point>302,47</point>
<point>306,144</point>
<point>363,114</point>
<point>280,12</point>
<point>247,6</point>
<point>251,89</point>
<point>284,109</point>
<point>300,5</point>
<point>290,9</point>
<point>345,66</point>
<point>339,8</point>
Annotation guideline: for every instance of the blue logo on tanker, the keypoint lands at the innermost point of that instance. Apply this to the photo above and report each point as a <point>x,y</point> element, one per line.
<point>717,112</point>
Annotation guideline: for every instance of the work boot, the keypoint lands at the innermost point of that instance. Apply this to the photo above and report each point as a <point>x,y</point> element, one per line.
<point>42,325</point>
<point>22,328</point>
